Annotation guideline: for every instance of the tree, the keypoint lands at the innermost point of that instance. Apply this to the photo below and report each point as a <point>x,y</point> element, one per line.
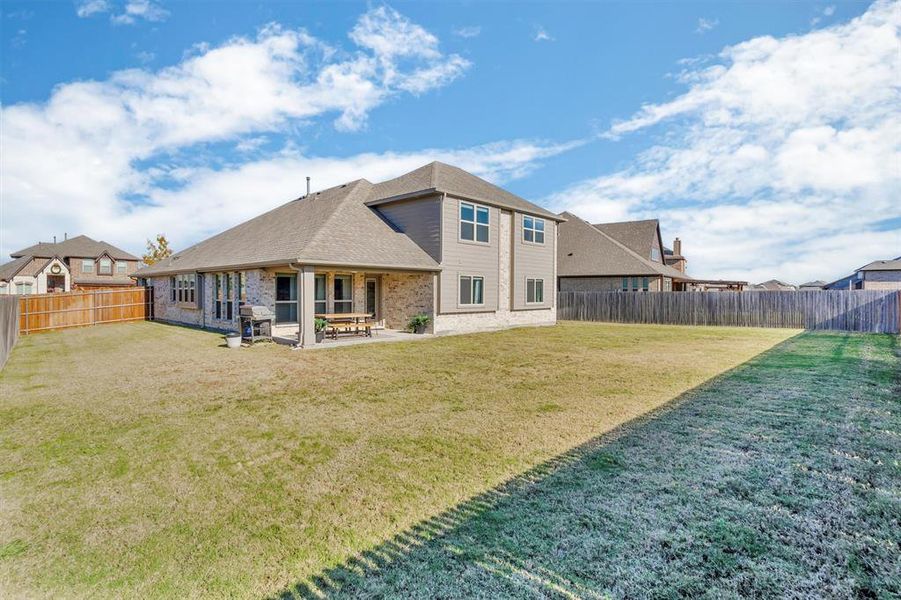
<point>157,251</point>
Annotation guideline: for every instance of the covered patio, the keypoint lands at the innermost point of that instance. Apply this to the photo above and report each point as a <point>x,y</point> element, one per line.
<point>360,305</point>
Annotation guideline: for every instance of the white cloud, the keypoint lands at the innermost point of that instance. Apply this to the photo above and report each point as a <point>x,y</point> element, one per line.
<point>829,11</point>
<point>541,35</point>
<point>127,157</point>
<point>780,160</point>
<point>129,14</point>
<point>140,9</point>
<point>468,32</point>
<point>91,7</point>
<point>705,25</point>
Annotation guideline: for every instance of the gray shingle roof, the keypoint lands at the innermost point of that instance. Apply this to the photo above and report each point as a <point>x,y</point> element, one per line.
<point>883,265</point>
<point>773,285</point>
<point>813,284</point>
<point>12,268</point>
<point>444,178</point>
<point>638,236</point>
<point>80,246</point>
<point>333,226</point>
<point>583,250</point>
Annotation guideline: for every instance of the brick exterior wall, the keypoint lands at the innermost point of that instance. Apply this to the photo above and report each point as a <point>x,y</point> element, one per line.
<point>405,295</point>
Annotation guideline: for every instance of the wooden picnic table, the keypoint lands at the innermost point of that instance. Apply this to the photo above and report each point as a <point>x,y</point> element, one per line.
<point>351,316</point>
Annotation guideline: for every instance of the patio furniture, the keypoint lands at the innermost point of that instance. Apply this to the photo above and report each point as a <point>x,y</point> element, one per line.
<point>364,327</point>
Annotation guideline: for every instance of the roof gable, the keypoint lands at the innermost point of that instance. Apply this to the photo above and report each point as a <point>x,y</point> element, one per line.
<point>443,178</point>
<point>638,236</point>
<point>586,251</point>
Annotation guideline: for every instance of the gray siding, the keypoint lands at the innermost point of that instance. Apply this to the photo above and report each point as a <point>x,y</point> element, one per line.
<point>533,261</point>
<point>420,219</point>
<point>467,258</point>
<point>882,275</point>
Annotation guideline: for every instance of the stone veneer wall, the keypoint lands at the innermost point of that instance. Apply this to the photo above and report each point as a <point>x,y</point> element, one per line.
<point>471,322</point>
<point>260,291</point>
<point>405,295</point>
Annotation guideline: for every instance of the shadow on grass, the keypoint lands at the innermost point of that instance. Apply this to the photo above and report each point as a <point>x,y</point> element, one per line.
<point>740,487</point>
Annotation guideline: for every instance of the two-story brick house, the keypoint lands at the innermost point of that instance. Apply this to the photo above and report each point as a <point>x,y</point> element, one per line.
<point>74,263</point>
<point>437,241</point>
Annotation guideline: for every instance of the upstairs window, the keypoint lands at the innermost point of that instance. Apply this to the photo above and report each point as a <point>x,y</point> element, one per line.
<point>472,290</point>
<point>655,254</point>
<point>473,222</point>
<point>121,267</point>
<point>533,230</point>
<point>87,265</point>
<point>105,267</point>
<point>534,291</point>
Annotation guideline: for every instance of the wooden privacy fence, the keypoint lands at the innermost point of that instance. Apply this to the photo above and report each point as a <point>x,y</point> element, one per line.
<point>9,326</point>
<point>91,307</point>
<point>857,310</point>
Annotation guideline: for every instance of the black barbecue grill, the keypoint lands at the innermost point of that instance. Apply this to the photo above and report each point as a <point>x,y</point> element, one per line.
<point>256,323</point>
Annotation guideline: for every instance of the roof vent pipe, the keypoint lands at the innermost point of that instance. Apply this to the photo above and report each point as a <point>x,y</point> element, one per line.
<point>54,239</point>
<point>65,236</point>
<point>308,186</point>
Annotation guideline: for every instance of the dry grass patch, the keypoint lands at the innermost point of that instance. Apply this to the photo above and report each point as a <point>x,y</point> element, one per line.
<point>145,460</point>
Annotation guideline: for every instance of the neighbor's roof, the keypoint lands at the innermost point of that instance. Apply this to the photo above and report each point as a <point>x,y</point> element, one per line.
<point>816,284</point>
<point>883,265</point>
<point>584,250</point>
<point>438,177</point>
<point>638,236</point>
<point>772,284</point>
<point>332,227</point>
<point>79,246</point>
<point>12,268</point>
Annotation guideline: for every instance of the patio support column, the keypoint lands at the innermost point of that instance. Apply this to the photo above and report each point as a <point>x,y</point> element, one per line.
<point>306,301</point>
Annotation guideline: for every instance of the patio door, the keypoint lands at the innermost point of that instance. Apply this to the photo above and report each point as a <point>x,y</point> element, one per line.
<point>285,298</point>
<point>372,297</point>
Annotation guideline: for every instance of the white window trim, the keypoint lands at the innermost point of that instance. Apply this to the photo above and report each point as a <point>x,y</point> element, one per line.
<point>87,262</point>
<point>533,230</point>
<point>100,265</point>
<point>475,223</point>
<point>526,291</point>
<point>471,287</point>
<point>123,265</point>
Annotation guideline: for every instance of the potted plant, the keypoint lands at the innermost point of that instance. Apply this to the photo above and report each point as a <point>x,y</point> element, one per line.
<point>319,326</point>
<point>233,339</point>
<point>419,323</point>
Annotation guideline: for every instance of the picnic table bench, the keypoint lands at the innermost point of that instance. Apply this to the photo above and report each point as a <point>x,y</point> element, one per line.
<point>357,327</point>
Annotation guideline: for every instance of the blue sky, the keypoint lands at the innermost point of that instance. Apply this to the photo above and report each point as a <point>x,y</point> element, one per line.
<point>763,134</point>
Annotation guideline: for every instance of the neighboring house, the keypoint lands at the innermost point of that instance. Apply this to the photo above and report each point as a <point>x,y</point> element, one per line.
<point>74,263</point>
<point>772,285</point>
<point>437,241</point>
<point>812,285</point>
<point>715,285</point>
<point>877,275</point>
<point>613,257</point>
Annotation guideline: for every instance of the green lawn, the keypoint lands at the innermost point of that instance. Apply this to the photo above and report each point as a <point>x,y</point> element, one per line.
<point>145,460</point>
